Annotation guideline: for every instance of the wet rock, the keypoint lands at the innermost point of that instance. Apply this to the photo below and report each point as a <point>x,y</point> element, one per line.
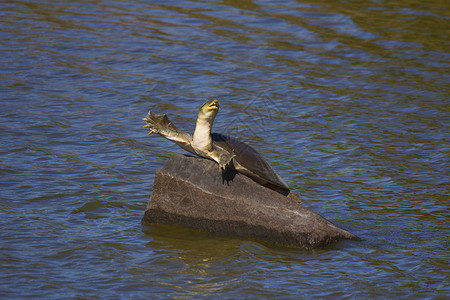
<point>191,191</point>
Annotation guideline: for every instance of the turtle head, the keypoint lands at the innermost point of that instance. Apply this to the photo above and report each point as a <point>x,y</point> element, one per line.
<point>201,140</point>
<point>209,110</point>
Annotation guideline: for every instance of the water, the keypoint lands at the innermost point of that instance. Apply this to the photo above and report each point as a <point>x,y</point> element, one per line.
<point>347,100</point>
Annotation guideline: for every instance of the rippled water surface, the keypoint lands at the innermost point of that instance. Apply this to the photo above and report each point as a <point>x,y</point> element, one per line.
<point>348,100</point>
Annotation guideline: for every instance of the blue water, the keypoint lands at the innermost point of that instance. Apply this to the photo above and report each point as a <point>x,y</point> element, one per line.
<point>349,101</point>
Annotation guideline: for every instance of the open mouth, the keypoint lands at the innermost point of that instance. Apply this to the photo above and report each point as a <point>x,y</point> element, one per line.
<point>214,105</point>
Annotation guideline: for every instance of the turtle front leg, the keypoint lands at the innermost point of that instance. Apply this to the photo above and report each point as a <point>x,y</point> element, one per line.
<point>222,157</point>
<point>223,165</point>
<point>160,124</point>
<point>157,124</point>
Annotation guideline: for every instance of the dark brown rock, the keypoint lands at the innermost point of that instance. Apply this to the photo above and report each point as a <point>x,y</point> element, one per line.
<point>191,191</point>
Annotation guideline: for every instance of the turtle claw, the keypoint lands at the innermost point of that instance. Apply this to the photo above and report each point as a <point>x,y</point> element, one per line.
<point>222,167</point>
<point>224,160</point>
<point>147,126</point>
<point>151,122</point>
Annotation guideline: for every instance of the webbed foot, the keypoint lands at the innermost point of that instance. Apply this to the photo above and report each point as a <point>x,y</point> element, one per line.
<point>225,161</point>
<point>156,123</point>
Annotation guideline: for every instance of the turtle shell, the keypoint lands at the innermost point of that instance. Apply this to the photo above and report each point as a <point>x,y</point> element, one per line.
<point>251,163</point>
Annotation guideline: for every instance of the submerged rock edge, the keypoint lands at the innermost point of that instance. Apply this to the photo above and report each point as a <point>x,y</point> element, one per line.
<point>241,229</point>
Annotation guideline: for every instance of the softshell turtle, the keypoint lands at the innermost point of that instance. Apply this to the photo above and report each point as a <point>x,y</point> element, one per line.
<point>225,150</point>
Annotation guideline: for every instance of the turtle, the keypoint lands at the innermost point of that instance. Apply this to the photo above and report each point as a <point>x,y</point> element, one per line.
<point>227,151</point>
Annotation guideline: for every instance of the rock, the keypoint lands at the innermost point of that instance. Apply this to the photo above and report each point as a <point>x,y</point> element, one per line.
<point>191,191</point>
